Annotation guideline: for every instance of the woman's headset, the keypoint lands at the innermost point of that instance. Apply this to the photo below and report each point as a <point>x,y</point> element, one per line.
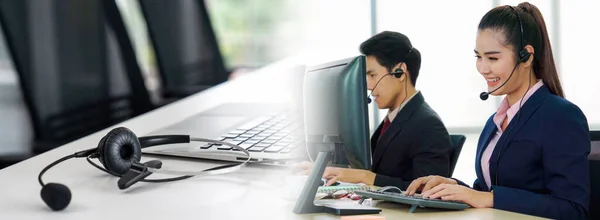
<point>523,57</point>
<point>120,152</point>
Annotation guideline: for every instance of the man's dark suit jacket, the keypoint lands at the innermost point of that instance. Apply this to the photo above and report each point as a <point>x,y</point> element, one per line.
<point>415,144</point>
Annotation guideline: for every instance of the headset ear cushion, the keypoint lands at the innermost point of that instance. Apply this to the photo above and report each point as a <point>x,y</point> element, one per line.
<point>100,149</point>
<point>120,149</point>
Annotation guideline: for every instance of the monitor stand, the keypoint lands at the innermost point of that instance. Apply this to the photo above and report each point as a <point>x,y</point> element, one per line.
<point>305,203</point>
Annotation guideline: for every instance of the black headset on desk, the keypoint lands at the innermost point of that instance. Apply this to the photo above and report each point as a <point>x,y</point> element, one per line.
<point>120,152</point>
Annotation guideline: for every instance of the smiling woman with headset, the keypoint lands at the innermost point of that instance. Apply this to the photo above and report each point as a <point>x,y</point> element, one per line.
<point>532,153</point>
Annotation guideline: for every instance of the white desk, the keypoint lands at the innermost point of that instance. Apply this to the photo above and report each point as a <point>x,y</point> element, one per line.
<point>252,193</point>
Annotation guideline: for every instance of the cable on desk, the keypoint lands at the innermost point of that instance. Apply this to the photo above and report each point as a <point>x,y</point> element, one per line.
<point>51,165</point>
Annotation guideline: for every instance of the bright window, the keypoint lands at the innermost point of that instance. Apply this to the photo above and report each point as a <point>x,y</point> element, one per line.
<point>445,37</point>
<point>578,56</point>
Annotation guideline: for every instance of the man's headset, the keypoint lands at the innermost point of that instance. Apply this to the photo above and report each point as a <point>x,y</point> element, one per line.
<point>396,73</point>
<point>523,57</point>
<point>120,152</point>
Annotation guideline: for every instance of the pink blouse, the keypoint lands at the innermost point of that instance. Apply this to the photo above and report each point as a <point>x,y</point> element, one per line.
<point>503,112</point>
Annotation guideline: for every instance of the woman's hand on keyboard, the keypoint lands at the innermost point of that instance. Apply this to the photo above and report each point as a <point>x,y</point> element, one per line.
<point>453,192</point>
<point>427,182</point>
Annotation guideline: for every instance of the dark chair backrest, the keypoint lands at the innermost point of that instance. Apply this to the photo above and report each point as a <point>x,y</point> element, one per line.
<point>77,76</point>
<point>185,44</point>
<point>594,159</point>
<point>457,144</point>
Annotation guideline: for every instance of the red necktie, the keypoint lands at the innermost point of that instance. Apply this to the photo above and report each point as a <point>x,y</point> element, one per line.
<point>386,124</point>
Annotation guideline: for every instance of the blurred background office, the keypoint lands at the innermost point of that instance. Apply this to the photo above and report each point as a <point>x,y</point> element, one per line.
<point>142,54</point>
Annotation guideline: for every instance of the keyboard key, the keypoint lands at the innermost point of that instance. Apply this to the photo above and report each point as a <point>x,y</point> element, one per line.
<point>243,145</point>
<point>277,127</point>
<point>271,138</point>
<point>284,140</point>
<point>256,149</point>
<point>233,142</point>
<point>261,135</point>
<point>240,139</point>
<point>286,150</point>
<point>278,135</point>
<point>274,149</point>
<point>206,146</point>
<point>246,136</point>
<point>283,133</point>
<point>246,145</point>
<point>280,144</point>
<point>230,135</point>
<point>261,127</point>
<point>268,141</point>
<point>263,145</point>
<point>253,123</point>
<point>267,133</point>
<point>227,139</point>
<point>288,139</point>
<point>223,147</point>
<point>237,132</point>
<point>251,141</point>
<point>257,139</point>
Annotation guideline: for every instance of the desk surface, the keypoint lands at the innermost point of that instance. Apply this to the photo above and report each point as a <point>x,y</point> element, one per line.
<point>252,193</point>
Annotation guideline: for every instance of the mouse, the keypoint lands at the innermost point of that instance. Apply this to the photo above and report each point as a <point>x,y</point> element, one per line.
<point>324,181</point>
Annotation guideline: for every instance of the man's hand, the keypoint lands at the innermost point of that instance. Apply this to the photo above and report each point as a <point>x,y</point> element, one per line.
<point>335,174</point>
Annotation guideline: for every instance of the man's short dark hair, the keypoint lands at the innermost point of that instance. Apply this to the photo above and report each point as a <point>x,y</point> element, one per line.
<point>389,48</point>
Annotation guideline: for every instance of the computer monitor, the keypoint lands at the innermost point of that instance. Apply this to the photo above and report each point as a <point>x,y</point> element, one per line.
<point>336,111</point>
<point>335,120</point>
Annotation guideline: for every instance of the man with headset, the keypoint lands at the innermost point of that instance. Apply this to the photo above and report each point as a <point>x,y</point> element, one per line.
<point>412,140</point>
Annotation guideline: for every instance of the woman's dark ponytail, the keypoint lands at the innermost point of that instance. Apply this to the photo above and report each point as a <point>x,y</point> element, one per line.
<point>544,66</point>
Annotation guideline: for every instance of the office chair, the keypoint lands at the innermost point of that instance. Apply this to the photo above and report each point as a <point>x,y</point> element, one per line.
<point>457,144</point>
<point>76,76</point>
<point>186,48</point>
<point>594,160</point>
